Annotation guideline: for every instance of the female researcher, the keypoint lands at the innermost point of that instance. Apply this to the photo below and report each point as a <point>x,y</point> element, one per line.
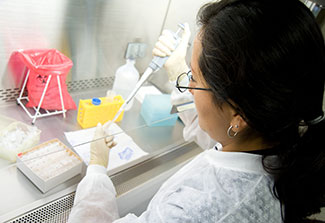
<point>257,78</point>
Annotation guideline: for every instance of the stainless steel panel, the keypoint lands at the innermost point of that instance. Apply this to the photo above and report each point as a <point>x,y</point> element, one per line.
<point>93,33</point>
<point>179,11</point>
<point>98,32</point>
<point>56,211</point>
<point>28,24</point>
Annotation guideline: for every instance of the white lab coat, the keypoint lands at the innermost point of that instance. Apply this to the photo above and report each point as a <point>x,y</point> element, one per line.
<point>215,186</point>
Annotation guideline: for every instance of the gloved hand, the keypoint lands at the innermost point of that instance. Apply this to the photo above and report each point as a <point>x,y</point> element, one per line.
<point>99,148</point>
<point>176,64</point>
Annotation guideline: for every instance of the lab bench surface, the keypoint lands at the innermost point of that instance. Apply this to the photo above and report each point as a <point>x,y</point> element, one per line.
<point>167,150</point>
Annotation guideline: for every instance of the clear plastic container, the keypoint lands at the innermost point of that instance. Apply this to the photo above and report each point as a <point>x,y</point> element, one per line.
<point>16,137</point>
<point>126,77</point>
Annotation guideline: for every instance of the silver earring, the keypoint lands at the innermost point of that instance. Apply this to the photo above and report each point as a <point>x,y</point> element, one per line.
<point>229,129</point>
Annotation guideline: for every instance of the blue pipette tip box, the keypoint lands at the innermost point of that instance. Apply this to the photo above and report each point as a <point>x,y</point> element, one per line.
<point>155,110</point>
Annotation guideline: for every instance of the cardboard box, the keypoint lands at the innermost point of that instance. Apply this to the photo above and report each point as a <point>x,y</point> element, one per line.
<point>48,161</point>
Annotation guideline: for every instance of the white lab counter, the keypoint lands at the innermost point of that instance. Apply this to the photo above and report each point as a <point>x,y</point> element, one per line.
<point>135,184</point>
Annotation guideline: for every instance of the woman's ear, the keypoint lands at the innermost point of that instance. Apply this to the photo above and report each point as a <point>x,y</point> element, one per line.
<point>238,123</point>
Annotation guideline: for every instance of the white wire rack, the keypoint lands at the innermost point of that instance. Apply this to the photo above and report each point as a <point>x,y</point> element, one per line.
<point>37,113</point>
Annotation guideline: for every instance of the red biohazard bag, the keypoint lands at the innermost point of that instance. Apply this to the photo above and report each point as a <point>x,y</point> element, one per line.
<point>44,65</point>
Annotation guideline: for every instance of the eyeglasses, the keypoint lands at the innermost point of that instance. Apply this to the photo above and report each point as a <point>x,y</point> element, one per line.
<point>183,81</point>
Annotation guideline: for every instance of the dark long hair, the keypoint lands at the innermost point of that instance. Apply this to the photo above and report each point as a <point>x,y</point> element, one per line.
<point>267,58</point>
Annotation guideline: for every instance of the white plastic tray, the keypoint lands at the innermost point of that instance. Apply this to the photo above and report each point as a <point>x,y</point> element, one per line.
<point>46,184</point>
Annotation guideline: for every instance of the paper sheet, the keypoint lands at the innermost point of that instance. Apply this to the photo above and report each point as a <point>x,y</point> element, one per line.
<point>125,151</point>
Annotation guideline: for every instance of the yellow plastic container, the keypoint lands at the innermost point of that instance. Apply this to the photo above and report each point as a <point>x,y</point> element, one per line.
<point>89,115</point>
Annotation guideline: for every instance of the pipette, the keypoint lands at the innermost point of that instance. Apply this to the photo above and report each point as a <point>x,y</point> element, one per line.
<point>154,66</point>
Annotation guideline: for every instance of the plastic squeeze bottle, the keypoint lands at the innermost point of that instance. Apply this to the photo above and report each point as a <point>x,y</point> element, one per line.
<point>126,77</point>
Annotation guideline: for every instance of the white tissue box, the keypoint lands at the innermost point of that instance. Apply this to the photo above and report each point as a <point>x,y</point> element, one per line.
<point>49,164</point>
<point>16,137</point>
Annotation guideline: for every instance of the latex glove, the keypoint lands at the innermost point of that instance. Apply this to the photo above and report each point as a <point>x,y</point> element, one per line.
<point>99,148</point>
<point>176,64</point>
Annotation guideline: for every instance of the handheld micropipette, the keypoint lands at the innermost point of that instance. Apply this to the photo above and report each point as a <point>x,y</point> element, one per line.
<point>155,65</point>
